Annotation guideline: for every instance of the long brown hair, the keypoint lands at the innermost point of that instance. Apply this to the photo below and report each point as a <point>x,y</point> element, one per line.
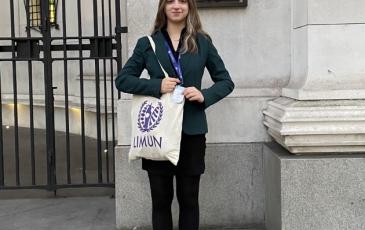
<point>193,25</point>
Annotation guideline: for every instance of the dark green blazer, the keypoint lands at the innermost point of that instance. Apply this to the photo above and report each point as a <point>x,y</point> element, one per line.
<point>192,64</point>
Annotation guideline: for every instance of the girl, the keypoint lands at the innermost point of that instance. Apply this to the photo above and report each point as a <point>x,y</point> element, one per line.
<point>178,29</point>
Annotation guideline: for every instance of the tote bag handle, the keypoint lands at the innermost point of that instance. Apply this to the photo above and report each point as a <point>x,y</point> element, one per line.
<point>154,50</point>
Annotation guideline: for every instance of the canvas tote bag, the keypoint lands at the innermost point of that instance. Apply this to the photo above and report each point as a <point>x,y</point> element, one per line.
<point>156,126</point>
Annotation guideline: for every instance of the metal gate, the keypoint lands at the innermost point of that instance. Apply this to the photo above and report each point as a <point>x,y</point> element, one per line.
<point>57,99</point>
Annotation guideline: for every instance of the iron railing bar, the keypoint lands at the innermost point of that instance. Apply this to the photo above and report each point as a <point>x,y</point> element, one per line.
<point>83,37</point>
<point>54,38</point>
<point>49,101</point>
<point>97,96</point>
<point>112,114</point>
<point>54,59</point>
<point>81,92</point>
<point>19,59</point>
<point>112,88</point>
<point>23,187</point>
<point>16,136</point>
<point>70,47</point>
<point>118,39</point>
<point>87,185</point>
<point>84,58</point>
<point>73,47</point>
<point>6,49</point>
<point>19,38</point>
<point>1,141</point>
<point>111,185</point>
<point>65,68</point>
<point>106,149</point>
<point>31,114</point>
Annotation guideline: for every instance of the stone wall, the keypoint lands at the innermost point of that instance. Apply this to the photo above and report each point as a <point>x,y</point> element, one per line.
<point>254,43</point>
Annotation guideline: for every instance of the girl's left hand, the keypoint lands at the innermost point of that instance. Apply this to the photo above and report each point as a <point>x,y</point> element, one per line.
<point>193,94</point>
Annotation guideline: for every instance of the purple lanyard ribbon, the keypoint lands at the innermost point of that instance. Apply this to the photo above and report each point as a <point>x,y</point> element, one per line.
<point>175,63</point>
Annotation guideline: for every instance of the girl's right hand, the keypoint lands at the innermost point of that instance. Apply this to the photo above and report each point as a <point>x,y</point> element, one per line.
<point>168,84</point>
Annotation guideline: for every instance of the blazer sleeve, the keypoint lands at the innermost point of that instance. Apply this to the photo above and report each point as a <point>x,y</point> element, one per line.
<point>223,85</point>
<point>129,81</point>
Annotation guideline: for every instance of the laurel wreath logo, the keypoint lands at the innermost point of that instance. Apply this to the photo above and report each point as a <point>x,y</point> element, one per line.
<point>149,117</point>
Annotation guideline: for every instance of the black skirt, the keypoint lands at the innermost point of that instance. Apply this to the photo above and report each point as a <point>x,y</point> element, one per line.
<point>191,160</point>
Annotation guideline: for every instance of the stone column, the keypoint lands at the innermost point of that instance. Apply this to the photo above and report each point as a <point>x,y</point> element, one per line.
<point>322,109</point>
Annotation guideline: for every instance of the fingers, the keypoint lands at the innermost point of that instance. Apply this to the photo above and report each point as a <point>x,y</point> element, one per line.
<point>168,84</point>
<point>190,91</point>
<point>168,88</point>
<point>193,94</point>
<point>194,98</point>
<point>173,79</point>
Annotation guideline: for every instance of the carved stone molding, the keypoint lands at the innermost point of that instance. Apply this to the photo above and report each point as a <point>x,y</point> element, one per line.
<point>322,126</point>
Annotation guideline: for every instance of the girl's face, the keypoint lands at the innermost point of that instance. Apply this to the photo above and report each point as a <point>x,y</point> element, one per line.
<point>176,11</point>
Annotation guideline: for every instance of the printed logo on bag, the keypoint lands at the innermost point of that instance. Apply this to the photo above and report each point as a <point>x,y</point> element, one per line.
<point>149,116</point>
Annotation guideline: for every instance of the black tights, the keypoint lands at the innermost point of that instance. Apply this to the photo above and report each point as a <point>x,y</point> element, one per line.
<point>162,193</point>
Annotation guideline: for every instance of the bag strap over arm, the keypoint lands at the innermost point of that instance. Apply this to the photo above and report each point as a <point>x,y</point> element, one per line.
<point>154,50</point>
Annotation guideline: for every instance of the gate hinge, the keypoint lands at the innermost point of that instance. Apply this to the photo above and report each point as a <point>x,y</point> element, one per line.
<point>101,47</point>
<point>27,47</point>
<point>121,29</point>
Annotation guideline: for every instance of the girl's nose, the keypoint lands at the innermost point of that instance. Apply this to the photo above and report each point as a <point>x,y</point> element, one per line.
<point>176,3</point>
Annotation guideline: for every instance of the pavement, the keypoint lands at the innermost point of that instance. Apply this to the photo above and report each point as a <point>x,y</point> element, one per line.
<point>61,213</point>
<point>27,168</point>
<point>85,213</point>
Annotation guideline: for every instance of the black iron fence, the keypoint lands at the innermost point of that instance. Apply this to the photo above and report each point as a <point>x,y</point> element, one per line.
<point>81,52</point>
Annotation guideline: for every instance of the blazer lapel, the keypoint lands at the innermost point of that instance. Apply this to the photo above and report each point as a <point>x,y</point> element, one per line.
<point>162,55</point>
<point>164,58</point>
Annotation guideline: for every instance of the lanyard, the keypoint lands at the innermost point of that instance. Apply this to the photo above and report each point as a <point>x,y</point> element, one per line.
<point>175,63</point>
